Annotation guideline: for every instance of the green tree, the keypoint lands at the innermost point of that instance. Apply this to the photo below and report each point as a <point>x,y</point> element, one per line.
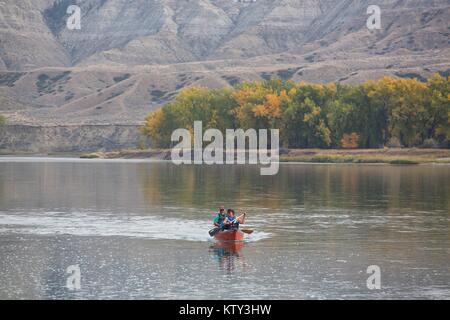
<point>367,118</point>
<point>437,108</point>
<point>341,120</point>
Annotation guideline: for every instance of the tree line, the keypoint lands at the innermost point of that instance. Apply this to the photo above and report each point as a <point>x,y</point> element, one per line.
<point>390,111</point>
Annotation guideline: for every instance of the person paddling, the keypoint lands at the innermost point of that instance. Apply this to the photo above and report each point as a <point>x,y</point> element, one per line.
<point>231,221</point>
<point>220,217</point>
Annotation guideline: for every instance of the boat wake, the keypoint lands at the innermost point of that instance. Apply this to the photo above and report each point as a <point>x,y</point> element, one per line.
<point>94,224</point>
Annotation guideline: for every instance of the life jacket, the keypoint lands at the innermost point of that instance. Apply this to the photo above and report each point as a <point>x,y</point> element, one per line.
<point>219,218</point>
<point>231,219</point>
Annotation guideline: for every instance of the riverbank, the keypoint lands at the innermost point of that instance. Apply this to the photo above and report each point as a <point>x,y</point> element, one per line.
<point>386,155</point>
<point>60,139</point>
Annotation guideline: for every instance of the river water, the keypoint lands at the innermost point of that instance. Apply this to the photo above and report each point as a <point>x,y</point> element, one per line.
<point>139,229</point>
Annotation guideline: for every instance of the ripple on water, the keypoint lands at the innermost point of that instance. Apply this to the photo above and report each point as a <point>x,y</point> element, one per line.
<point>93,224</point>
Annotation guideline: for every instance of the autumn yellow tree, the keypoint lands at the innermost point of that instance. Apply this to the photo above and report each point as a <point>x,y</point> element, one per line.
<point>309,115</point>
<point>350,141</point>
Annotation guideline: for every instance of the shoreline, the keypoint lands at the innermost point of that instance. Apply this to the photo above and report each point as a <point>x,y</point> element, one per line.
<point>404,156</point>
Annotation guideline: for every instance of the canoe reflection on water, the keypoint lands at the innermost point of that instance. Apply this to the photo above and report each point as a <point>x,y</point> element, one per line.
<point>228,254</point>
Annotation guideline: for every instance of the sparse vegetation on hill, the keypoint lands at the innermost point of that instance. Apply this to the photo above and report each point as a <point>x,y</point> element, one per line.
<point>47,84</point>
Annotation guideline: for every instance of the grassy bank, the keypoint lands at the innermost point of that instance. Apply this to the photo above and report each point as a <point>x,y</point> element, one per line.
<point>391,156</point>
<point>161,154</point>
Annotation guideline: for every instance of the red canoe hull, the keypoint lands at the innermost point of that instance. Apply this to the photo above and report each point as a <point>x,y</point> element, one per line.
<point>229,246</point>
<point>229,235</point>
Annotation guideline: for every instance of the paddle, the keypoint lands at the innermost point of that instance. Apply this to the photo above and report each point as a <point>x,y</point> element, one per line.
<point>213,232</point>
<point>247,231</point>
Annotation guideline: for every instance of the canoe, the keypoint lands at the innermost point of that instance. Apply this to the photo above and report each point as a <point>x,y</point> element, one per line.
<point>229,235</point>
<point>228,246</point>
